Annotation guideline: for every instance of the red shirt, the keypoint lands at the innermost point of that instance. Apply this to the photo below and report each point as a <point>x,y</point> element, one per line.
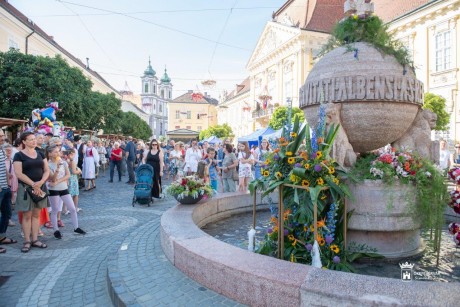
<point>117,152</point>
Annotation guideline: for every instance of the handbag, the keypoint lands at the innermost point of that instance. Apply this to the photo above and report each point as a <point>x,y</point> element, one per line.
<point>235,175</point>
<point>36,198</point>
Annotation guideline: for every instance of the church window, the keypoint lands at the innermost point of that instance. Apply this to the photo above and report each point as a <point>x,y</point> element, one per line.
<point>162,93</point>
<point>443,51</point>
<point>160,108</point>
<point>154,89</point>
<point>146,88</point>
<point>169,94</point>
<point>177,114</point>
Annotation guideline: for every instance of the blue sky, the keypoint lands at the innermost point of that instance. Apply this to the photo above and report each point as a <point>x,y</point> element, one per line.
<point>119,36</point>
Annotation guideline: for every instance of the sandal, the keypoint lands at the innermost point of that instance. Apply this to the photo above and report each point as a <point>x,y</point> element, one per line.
<point>6,240</point>
<point>2,250</point>
<point>39,244</point>
<point>26,247</point>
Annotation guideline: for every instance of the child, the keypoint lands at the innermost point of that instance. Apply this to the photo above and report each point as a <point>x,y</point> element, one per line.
<point>73,180</point>
<point>212,165</point>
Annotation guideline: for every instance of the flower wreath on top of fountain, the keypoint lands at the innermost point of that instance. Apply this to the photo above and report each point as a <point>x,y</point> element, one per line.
<point>305,161</point>
<point>189,190</point>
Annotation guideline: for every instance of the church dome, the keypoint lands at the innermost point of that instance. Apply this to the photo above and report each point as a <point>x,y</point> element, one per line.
<point>149,71</point>
<point>165,78</point>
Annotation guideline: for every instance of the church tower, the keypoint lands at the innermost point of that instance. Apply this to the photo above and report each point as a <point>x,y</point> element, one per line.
<point>149,89</point>
<point>165,86</point>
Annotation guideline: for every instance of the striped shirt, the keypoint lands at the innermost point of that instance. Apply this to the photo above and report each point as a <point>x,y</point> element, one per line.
<point>3,179</point>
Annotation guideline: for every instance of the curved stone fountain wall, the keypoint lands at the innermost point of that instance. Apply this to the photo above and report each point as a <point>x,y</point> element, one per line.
<point>258,280</point>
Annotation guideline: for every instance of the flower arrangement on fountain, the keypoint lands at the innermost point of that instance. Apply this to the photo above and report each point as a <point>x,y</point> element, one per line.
<point>190,186</point>
<point>304,161</point>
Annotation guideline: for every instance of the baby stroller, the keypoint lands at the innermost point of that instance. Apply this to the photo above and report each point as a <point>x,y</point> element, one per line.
<point>143,186</point>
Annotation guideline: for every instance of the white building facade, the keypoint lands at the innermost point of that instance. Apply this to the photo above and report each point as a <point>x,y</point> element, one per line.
<point>155,96</point>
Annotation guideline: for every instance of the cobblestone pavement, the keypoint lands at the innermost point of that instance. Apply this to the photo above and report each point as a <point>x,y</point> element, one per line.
<point>120,256</point>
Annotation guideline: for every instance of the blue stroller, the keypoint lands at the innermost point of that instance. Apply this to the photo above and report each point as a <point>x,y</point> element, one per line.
<point>143,186</point>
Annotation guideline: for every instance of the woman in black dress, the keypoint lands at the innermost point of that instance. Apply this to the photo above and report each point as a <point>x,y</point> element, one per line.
<point>155,158</point>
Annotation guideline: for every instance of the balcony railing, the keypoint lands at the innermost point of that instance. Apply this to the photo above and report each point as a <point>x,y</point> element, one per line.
<point>263,112</point>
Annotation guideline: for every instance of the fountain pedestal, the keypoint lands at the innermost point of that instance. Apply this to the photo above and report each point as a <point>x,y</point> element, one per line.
<point>384,218</point>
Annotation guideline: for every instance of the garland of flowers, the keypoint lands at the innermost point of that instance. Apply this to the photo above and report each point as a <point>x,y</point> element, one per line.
<point>371,30</point>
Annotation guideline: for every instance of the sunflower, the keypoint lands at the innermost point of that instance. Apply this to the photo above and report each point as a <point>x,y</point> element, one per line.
<point>294,242</point>
<point>291,160</point>
<point>319,154</point>
<point>320,181</point>
<point>267,161</point>
<point>293,134</point>
<point>305,183</point>
<point>294,178</point>
<point>266,173</point>
<point>331,170</point>
<point>321,241</point>
<point>289,153</point>
<point>336,180</point>
<point>278,174</point>
<point>307,166</point>
<point>335,248</point>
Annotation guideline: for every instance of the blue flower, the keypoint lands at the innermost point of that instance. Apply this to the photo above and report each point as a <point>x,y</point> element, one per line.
<point>336,259</point>
<point>309,247</point>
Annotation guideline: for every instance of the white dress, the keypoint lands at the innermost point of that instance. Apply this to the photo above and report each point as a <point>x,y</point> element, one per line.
<point>89,163</point>
<point>192,157</point>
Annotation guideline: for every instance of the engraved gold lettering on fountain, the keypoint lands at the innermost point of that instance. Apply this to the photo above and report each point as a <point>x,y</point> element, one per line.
<point>370,88</point>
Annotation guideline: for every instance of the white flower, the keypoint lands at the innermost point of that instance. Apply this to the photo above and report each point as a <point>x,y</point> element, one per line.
<point>428,174</point>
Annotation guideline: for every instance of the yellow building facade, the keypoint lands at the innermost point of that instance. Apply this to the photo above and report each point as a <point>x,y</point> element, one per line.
<point>19,32</point>
<point>192,112</point>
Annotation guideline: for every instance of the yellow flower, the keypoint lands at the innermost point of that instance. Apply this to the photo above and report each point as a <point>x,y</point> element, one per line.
<point>312,228</point>
<point>275,229</point>
<point>321,241</point>
<point>291,160</point>
<point>291,238</point>
<point>292,258</point>
<point>266,173</point>
<point>331,170</point>
<point>355,17</point>
<point>294,242</point>
<point>294,178</point>
<point>278,174</point>
<point>288,153</point>
<point>320,223</point>
<point>319,154</point>
<point>293,134</point>
<point>335,248</point>
<point>323,197</point>
<point>307,166</point>
<point>320,181</point>
<point>336,180</point>
<point>305,183</point>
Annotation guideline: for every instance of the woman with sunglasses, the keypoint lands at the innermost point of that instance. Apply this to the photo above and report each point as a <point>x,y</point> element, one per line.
<point>155,158</point>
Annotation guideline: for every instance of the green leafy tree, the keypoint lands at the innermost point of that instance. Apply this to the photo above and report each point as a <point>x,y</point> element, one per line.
<point>437,104</point>
<point>220,131</point>
<point>280,116</point>
<point>28,82</point>
<point>101,111</point>
<point>133,125</point>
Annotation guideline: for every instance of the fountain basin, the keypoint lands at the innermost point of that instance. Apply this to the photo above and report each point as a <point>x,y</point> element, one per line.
<point>259,280</point>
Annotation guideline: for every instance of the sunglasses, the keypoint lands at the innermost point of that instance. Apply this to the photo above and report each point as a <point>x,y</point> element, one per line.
<point>154,144</point>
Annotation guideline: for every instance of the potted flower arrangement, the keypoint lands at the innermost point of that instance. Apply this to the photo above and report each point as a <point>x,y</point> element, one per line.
<point>412,194</point>
<point>189,190</point>
<point>305,161</point>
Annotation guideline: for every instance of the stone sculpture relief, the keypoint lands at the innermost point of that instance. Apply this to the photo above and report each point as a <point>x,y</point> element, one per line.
<point>418,137</point>
<point>342,151</point>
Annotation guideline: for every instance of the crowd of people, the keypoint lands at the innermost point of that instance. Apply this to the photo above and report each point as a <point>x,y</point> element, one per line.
<point>42,175</point>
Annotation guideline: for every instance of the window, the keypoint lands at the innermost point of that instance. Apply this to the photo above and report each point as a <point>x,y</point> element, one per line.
<point>198,128</point>
<point>177,114</point>
<point>146,88</point>
<point>162,93</point>
<point>154,89</point>
<point>176,127</point>
<point>443,51</point>
<point>160,108</point>
<point>169,94</point>
<point>189,127</point>
<point>189,115</point>
<point>288,82</point>
<point>13,44</point>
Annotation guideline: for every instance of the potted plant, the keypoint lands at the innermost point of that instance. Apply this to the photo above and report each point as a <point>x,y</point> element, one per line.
<point>189,190</point>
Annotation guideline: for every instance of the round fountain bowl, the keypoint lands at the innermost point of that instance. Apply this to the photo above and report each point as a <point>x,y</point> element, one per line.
<point>379,97</point>
<point>385,218</point>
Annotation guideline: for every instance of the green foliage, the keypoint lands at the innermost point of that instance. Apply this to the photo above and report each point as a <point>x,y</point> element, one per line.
<point>437,104</point>
<point>189,186</point>
<point>220,131</point>
<point>28,82</point>
<point>371,30</point>
<point>280,116</point>
<point>131,124</point>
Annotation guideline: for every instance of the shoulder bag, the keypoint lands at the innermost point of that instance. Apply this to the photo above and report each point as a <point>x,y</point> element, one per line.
<point>35,198</point>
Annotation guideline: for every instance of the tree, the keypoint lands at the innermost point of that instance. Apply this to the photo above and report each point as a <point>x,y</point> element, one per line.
<point>28,82</point>
<point>101,111</point>
<point>133,125</point>
<point>279,117</point>
<point>220,131</point>
<point>437,104</point>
